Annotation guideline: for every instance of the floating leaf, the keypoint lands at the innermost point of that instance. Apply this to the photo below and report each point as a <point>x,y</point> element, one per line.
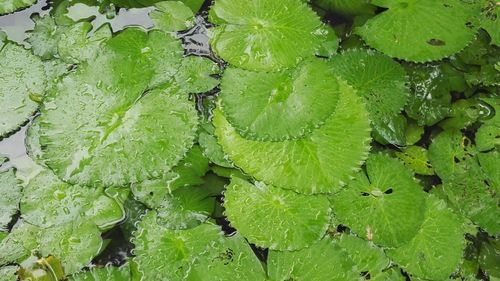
<point>347,7</point>
<point>174,251</point>
<point>75,244</point>
<point>257,35</point>
<point>414,133</point>
<point>422,30</point>
<point>9,6</point>
<point>320,163</point>
<point>374,202</point>
<point>45,37</point>
<point>22,76</point>
<point>298,220</point>
<point>211,149</point>
<point>488,135</point>
<point>415,158</point>
<point>279,106</point>
<point>76,45</point>
<point>323,261</point>
<point>436,250</point>
<point>232,260</point>
<point>97,121</point>
<point>196,75</point>
<point>8,273</point>
<point>382,83</point>
<point>172,16</point>
<point>10,195</point>
<point>107,273</point>
<point>18,244</point>
<point>490,21</point>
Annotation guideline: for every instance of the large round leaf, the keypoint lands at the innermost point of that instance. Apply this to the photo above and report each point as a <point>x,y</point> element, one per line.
<point>22,77</point>
<point>435,252</point>
<point>99,127</point>
<point>375,201</point>
<point>382,83</point>
<point>421,30</point>
<point>279,106</point>
<point>319,163</point>
<point>265,35</point>
<point>297,220</point>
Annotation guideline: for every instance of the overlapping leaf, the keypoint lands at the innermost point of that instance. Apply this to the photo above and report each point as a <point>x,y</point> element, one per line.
<point>297,220</point>
<point>421,30</point>
<point>172,16</point>
<point>10,195</point>
<point>9,6</point>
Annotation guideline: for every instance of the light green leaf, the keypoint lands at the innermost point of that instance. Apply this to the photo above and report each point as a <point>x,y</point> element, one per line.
<point>382,83</point>
<point>197,75</point>
<point>100,128</point>
<point>174,251</point>
<point>279,106</point>
<point>10,195</point>
<point>489,164</point>
<point>9,6</point>
<point>415,158</point>
<point>172,16</point>
<point>375,201</point>
<point>76,45</point>
<point>75,244</point>
<point>8,273</point>
<point>297,220</point>
<point>22,77</point>
<point>45,37</point>
<point>323,261</point>
<point>18,244</point>
<point>490,21</point>
<point>233,259</point>
<point>107,273</point>
<point>320,163</point>
<point>257,35</point>
<point>211,149</point>
<point>436,250</point>
<point>421,30</point>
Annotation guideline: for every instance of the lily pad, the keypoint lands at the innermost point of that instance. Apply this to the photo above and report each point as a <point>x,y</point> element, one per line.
<point>172,16</point>
<point>374,201</point>
<point>436,250</point>
<point>319,163</point>
<point>347,7</point>
<point>322,261</point>
<point>279,106</point>
<point>9,6</point>
<point>257,35</point>
<point>44,37</point>
<point>22,76</point>
<point>382,83</point>
<point>297,220</point>
<point>107,273</point>
<point>100,128</point>
<point>421,30</point>
<point>172,250</point>
<point>10,195</point>
<point>197,75</point>
<point>8,273</point>
<point>232,260</point>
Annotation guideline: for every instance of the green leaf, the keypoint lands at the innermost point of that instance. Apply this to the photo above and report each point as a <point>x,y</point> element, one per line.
<point>9,6</point>
<point>489,164</point>
<point>233,259</point>
<point>43,269</point>
<point>17,246</point>
<point>490,258</point>
<point>47,202</point>
<point>279,106</point>
<point>107,273</point>
<point>375,201</point>
<point>188,172</point>
<point>75,244</point>
<point>8,273</point>
<point>76,45</point>
<point>347,7</point>
<point>319,163</point>
<point>436,250</point>
<point>85,120</point>
<point>490,21</point>
<point>382,83</point>
<point>257,35</point>
<point>22,77</point>
<point>421,30</point>
<point>488,135</point>
<point>297,220</point>
<point>172,16</point>
<point>45,37</point>
<point>414,132</point>
<point>197,75</point>
<point>415,158</point>
<point>174,251</point>
<point>211,149</point>
<point>323,261</point>
<point>10,195</point>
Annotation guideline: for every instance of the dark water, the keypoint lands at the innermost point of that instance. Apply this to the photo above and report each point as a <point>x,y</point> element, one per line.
<point>17,26</point>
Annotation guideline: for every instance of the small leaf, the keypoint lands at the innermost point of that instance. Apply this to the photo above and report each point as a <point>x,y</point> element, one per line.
<point>45,37</point>
<point>8,273</point>
<point>374,202</point>
<point>488,135</point>
<point>257,35</point>
<point>9,6</point>
<point>415,158</point>
<point>436,250</point>
<point>172,16</point>
<point>211,149</point>
<point>422,30</point>
<point>297,220</point>
<point>196,75</point>
<point>107,273</point>
<point>347,7</point>
<point>10,195</point>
